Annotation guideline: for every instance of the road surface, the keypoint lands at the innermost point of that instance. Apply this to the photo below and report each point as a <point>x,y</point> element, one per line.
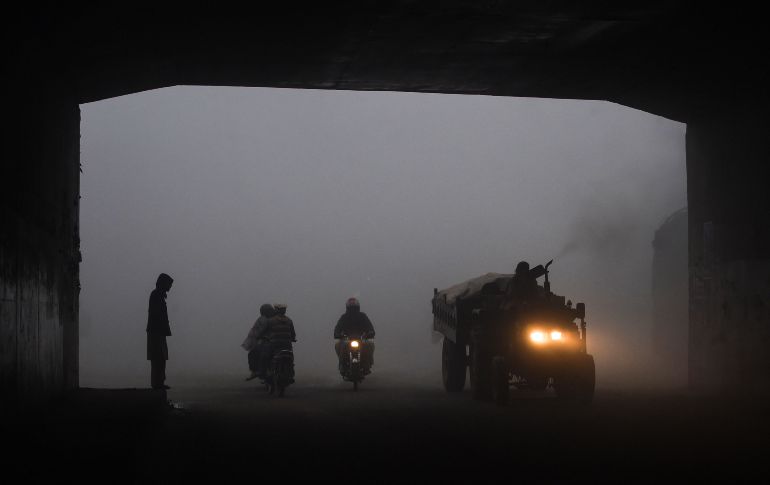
<point>395,431</point>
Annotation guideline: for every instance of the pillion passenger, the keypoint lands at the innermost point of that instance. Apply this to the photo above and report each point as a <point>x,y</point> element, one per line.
<point>355,324</point>
<point>254,345</point>
<point>278,333</point>
<point>158,329</point>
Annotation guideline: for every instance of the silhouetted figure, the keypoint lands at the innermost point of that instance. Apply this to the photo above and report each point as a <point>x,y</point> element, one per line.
<point>522,286</point>
<point>157,330</point>
<point>279,334</point>
<point>521,289</point>
<point>256,346</point>
<point>356,324</point>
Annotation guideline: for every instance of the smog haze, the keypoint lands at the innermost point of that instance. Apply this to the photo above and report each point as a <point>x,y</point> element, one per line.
<point>252,195</point>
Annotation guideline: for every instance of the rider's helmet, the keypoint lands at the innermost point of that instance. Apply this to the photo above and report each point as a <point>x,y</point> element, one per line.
<point>352,303</point>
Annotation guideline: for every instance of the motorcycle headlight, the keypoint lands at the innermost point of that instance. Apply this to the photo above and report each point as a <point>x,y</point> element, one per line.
<point>354,344</point>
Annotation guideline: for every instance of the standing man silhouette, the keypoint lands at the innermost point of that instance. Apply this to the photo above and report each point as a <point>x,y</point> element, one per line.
<point>157,330</point>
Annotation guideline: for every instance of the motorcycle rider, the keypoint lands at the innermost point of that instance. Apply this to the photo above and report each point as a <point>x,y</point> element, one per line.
<point>257,346</point>
<point>355,324</point>
<point>279,334</point>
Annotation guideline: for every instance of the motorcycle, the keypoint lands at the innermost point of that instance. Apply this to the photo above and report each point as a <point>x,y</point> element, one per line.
<point>280,371</point>
<point>352,367</point>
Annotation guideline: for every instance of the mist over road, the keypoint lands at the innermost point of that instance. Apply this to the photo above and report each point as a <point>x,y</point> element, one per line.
<point>248,196</point>
<point>397,431</point>
<point>393,430</point>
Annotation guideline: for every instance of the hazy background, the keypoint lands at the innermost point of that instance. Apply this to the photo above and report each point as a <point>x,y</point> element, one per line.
<point>251,195</point>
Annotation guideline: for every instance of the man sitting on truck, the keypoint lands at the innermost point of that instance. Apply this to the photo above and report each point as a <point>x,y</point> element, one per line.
<point>355,324</point>
<point>522,287</point>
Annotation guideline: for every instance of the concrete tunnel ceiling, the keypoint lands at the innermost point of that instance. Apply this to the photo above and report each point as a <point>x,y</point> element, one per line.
<point>654,56</point>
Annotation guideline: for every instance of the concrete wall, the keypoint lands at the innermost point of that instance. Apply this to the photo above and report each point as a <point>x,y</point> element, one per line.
<point>729,242</point>
<point>39,247</point>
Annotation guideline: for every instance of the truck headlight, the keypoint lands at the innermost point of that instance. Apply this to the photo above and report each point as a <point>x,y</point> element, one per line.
<point>538,337</point>
<point>542,337</point>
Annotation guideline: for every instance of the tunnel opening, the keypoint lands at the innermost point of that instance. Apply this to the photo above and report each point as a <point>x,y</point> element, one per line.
<point>253,195</point>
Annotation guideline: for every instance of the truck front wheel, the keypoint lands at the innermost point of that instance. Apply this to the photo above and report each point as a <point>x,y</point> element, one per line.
<point>453,363</point>
<point>500,381</point>
<point>587,380</point>
<point>578,383</point>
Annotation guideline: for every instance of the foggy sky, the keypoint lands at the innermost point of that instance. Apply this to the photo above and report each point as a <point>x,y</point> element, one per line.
<point>251,195</point>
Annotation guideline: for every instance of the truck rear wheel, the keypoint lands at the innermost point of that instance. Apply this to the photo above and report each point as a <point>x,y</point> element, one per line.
<point>453,363</point>
<point>480,370</point>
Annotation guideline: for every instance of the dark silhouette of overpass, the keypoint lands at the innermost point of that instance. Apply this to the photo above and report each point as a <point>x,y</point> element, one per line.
<point>695,65</point>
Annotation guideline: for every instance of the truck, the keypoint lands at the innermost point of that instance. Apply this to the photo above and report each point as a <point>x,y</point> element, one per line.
<point>509,342</point>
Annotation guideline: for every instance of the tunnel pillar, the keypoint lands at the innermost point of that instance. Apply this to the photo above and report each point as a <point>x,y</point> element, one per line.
<point>728,183</point>
<point>39,246</point>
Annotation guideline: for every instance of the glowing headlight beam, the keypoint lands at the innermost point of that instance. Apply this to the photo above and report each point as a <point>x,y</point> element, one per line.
<point>538,337</point>
<point>354,344</point>
<point>555,335</point>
